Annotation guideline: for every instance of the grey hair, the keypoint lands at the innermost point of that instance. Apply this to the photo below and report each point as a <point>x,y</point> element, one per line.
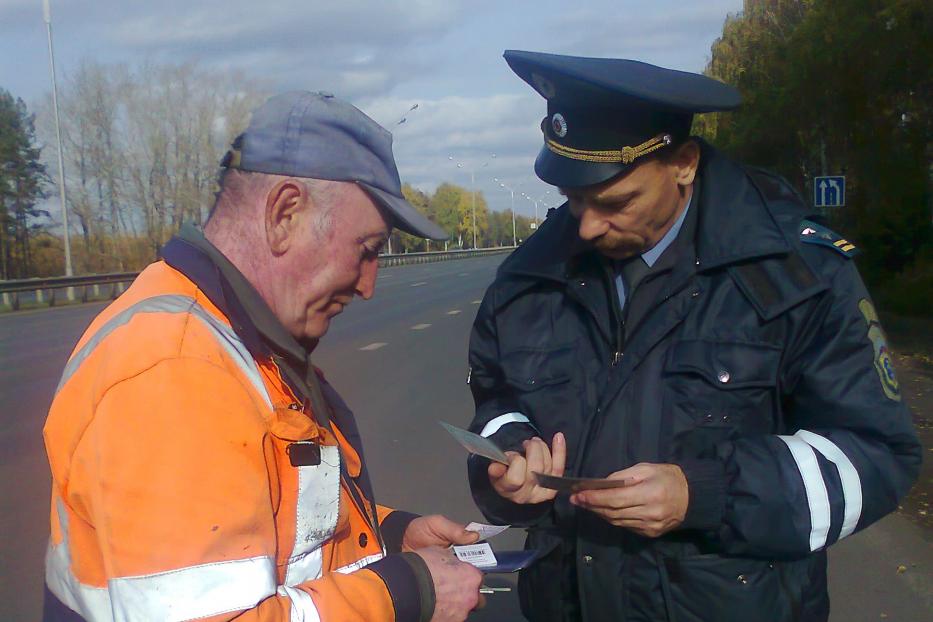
<point>238,187</point>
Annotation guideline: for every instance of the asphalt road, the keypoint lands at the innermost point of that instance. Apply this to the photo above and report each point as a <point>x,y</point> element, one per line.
<point>400,362</point>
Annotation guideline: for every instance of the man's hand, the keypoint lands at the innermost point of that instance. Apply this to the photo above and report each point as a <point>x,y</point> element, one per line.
<point>517,482</point>
<point>435,530</point>
<point>653,502</point>
<point>456,585</point>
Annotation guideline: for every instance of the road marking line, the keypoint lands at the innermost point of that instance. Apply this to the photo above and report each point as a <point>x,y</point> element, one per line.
<point>385,276</point>
<point>477,302</point>
<point>453,312</point>
<point>419,283</point>
<point>420,326</point>
<point>373,346</point>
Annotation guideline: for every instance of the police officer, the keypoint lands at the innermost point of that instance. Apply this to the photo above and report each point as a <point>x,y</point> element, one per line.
<point>678,325</point>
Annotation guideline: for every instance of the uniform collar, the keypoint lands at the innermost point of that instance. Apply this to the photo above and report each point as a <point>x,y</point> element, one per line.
<point>734,224</point>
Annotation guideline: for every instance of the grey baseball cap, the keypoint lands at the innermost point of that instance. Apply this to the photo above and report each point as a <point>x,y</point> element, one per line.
<point>317,135</point>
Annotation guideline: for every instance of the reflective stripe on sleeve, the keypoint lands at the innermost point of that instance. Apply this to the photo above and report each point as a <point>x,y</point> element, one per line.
<point>360,563</point>
<point>176,595</point>
<point>815,487</point>
<point>303,608</point>
<point>173,303</point>
<point>495,424</point>
<point>848,477</point>
<point>194,592</point>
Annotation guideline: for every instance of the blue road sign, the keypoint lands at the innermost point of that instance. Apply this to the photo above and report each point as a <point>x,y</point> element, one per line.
<point>829,191</point>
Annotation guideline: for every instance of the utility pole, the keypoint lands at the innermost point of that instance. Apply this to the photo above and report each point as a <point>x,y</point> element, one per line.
<point>47,15</point>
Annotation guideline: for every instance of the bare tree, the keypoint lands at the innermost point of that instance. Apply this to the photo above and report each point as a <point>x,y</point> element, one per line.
<point>142,148</point>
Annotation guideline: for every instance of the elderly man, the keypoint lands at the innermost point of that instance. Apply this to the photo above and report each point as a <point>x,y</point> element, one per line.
<point>202,467</point>
<point>678,327</point>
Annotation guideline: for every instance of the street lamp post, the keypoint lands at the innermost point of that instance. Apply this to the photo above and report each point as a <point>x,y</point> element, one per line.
<point>512,194</point>
<point>536,201</point>
<point>473,189</point>
<point>47,16</point>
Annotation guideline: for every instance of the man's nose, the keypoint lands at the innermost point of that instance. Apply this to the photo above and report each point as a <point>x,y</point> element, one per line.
<point>592,225</point>
<point>366,286</point>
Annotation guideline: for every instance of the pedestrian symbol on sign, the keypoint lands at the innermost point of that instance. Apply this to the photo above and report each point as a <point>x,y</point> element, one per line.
<point>829,191</point>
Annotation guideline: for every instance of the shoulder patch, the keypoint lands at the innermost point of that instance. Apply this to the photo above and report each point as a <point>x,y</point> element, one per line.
<point>815,233</point>
<point>883,364</point>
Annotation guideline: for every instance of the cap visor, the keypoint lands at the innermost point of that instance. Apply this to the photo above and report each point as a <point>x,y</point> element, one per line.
<point>405,216</point>
<point>566,173</point>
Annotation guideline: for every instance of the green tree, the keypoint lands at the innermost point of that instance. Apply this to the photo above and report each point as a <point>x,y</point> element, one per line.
<point>844,87</point>
<point>446,205</point>
<point>402,242</point>
<point>22,177</point>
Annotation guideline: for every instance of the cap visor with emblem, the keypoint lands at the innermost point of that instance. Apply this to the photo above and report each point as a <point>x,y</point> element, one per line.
<point>604,114</point>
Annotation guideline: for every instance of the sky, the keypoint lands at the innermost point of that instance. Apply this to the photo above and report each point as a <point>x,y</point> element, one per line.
<point>384,56</point>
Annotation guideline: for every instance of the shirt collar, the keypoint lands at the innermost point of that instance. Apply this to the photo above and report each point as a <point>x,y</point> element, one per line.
<point>652,255</point>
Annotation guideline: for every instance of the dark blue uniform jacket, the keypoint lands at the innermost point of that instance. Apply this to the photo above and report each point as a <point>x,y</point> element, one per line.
<point>759,367</point>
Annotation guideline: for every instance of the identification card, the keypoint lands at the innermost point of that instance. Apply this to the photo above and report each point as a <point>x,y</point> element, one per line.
<point>476,444</point>
<point>486,531</point>
<point>576,484</point>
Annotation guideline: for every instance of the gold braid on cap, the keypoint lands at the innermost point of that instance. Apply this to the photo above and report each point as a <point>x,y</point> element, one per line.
<point>626,155</point>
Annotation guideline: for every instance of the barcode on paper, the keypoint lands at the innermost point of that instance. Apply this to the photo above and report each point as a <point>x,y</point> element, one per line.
<point>479,555</point>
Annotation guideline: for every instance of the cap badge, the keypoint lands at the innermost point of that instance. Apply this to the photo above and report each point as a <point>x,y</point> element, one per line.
<point>559,124</point>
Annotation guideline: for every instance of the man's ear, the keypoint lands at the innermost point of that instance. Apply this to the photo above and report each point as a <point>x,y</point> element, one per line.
<point>284,203</point>
<point>686,160</point>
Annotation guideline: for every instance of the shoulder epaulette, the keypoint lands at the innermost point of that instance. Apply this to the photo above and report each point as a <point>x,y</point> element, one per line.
<point>815,233</point>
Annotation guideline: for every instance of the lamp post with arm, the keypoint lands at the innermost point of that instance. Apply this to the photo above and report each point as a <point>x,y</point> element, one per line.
<point>512,194</point>
<point>473,170</point>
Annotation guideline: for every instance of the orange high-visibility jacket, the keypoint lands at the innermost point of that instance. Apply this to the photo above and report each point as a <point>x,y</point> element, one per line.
<point>174,496</point>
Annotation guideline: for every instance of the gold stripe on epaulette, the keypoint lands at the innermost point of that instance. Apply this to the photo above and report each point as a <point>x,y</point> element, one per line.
<point>848,247</point>
<point>626,155</point>
<point>840,242</point>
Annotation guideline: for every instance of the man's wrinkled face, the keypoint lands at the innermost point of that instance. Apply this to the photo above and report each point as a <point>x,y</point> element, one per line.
<point>628,215</point>
<point>331,262</point>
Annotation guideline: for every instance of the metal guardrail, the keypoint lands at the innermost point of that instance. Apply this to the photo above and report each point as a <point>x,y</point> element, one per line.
<point>109,286</point>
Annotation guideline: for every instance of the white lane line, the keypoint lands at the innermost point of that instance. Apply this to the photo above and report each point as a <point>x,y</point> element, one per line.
<point>419,283</point>
<point>453,312</point>
<point>385,276</point>
<point>373,346</point>
<point>420,326</point>
<point>477,302</point>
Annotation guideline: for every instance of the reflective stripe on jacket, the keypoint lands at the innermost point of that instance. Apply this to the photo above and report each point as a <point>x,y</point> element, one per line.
<point>174,496</point>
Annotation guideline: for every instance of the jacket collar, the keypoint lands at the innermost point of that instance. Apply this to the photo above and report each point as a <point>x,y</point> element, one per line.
<point>193,255</point>
<point>735,224</point>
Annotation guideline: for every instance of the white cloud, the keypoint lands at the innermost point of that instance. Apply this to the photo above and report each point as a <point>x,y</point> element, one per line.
<point>495,136</point>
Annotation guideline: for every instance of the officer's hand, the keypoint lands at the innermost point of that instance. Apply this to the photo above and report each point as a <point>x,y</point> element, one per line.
<point>456,585</point>
<point>435,530</point>
<point>653,501</point>
<point>517,482</point>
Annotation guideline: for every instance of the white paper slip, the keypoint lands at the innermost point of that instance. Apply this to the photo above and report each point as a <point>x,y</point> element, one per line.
<point>479,555</point>
<point>476,444</point>
<point>486,531</point>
